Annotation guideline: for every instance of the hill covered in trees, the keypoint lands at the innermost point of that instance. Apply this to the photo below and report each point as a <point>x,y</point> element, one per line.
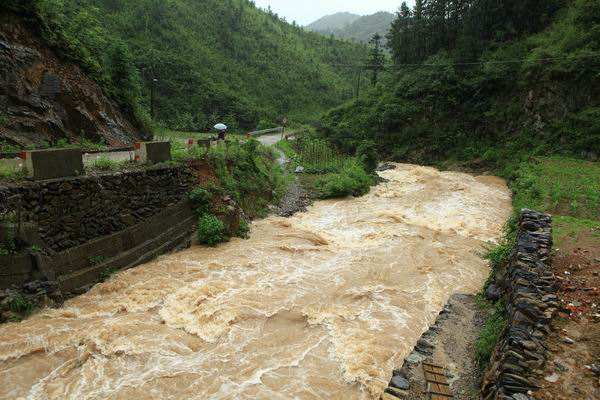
<point>224,60</point>
<point>491,81</point>
<point>353,27</point>
<point>333,22</point>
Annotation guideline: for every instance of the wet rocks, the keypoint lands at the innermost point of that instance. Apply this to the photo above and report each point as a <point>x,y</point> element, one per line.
<point>493,292</point>
<point>531,303</point>
<point>385,167</point>
<point>399,382</point>
<point>296,199</point>
<point>17,302</point>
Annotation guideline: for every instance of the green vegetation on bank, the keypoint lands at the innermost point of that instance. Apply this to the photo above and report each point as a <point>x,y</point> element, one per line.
<point>245,172</point>
<point>567,188</point>
<point>526,86</point>
<point>327,172</point>
<point>206,61</point>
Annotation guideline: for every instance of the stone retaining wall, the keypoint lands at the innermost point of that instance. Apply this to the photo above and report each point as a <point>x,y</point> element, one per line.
<point>531,302</point>
<point>71,211</point>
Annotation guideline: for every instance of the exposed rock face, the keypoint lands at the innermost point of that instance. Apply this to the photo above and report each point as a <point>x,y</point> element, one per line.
<point>43,98</point>
<point>531,303</point>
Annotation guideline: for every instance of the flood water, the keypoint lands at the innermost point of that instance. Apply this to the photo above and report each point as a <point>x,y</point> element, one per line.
<point>323,305</point>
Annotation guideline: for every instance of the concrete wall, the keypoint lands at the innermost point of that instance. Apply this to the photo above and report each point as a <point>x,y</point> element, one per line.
<point>53,163</point>
<point>69,212</point>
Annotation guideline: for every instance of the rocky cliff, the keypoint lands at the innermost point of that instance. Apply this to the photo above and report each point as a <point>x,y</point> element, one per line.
<point>44,98</point>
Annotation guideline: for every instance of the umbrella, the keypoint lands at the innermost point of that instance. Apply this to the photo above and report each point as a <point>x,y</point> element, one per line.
<point>220,127</point>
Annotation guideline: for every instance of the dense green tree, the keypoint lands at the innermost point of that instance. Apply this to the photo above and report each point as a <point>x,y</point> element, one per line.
<point>212,59</point>
<point>498,87</point>
<point>376,60</point>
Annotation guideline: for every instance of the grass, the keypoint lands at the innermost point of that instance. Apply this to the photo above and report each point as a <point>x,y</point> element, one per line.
<point>108,273</point>
<point>567,228</point>
<point>318,157</point>
<point>83,143</point>
<point>96,260</point>
<point>103,163</point>
<point>491,331</point>
<point>11,172</point>
<point>559,185</point>
<point>567,188</point>
<point>327,173</point>
<point>20,305</point>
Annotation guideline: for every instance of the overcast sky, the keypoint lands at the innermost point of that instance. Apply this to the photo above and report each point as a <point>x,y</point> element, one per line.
<point>306,11</point>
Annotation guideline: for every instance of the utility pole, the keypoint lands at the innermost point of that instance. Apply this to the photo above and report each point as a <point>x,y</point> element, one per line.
<point>152,89</point>
<point>358,82</point>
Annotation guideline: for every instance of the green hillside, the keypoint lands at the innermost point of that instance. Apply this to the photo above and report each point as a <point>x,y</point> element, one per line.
<point>485,85</point>
<point>333,22</point>
<point>354,27</point>
<point>363,29</point>
<point>212,60</point>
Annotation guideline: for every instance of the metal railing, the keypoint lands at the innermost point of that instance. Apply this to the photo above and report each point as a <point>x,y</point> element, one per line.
<point>266,131</point>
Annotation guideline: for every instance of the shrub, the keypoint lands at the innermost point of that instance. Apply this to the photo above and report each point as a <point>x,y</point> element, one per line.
<point>243,230</point>
<point>200,198</point>
<point>367,154</point>
<point>19,304</point>
<point>352,180</point>
<point>211,230</point>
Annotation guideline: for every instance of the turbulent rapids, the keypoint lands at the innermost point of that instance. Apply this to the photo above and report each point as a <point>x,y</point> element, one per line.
<point>323,305</point>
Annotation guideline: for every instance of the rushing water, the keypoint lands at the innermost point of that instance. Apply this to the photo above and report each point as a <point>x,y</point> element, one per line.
<point>323,305</point>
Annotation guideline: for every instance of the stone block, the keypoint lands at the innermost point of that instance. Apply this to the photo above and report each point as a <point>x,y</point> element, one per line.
<point>53,163</point>
<point>152,152</point>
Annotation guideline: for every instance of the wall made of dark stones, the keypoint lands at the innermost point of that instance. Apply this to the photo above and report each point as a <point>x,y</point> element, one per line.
<point>71,211</point>
<point>531,302</point>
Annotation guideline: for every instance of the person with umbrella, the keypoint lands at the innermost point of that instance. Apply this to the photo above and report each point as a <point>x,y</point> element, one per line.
<point>222,128</point>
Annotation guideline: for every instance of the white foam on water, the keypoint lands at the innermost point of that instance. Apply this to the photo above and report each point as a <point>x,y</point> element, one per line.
<point>323,305</point>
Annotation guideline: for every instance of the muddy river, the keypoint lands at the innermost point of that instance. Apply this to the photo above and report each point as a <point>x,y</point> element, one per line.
<point>323,305</point>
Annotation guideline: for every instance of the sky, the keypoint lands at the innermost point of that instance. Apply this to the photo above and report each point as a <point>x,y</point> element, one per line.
<point>306,11</point>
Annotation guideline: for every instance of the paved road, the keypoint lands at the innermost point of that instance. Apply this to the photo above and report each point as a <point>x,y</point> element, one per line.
<point>270,140</point>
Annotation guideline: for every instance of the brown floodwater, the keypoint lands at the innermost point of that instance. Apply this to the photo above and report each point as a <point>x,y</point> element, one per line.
<point>323,305</point>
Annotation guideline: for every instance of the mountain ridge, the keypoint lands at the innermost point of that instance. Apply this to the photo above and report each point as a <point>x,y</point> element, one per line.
<point>332,22</point>
<point>361,29</point>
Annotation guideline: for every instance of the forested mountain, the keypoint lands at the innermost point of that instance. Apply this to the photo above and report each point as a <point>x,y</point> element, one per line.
<point>487,80</point>
<point>333,22</point>
<point>360,29</point>
<point>205,60</point>
<point>363,29</point>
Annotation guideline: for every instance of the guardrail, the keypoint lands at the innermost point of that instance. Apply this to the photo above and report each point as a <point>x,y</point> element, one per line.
<point>266,131</point>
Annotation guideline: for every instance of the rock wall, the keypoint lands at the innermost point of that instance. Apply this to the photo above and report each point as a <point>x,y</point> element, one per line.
<point>69,212</point>
<point>531,302</point>
<point>44,98</point>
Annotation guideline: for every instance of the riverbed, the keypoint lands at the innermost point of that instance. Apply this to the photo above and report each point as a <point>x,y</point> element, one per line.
<point>322,305</point>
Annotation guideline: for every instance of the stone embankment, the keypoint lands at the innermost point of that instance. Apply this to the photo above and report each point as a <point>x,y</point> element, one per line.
<point>71,211</point>
<point>529,288</point>
<point>70,233</point>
